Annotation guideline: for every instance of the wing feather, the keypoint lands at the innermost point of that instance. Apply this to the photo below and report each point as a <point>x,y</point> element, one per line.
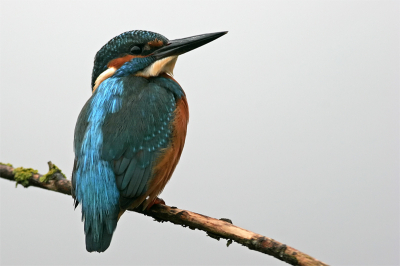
<point>123,163</point>
<point>136,135</point>
<point>137,173</point>
<point>143,182</point>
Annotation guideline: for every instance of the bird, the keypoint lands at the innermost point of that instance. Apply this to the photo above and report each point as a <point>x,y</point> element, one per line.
<point>130,134</point>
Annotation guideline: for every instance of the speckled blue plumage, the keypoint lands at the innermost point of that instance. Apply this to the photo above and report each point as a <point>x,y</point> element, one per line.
<point>135,137</point>
<point>120,133</point>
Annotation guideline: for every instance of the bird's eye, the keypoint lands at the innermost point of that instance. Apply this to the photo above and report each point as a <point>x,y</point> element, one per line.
<point>135,50</point>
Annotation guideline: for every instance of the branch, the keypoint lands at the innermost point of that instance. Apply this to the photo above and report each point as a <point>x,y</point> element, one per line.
<point>214,228</point>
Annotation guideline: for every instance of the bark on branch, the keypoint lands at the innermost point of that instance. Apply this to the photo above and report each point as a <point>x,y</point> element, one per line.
<point>214,228</point>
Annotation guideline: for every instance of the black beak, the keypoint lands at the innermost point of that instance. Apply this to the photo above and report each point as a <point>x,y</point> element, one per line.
<point>181,46</point>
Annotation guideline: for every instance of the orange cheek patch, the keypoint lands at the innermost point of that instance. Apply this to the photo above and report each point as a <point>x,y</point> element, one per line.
<point>155,43</point>
<point>118,62</point>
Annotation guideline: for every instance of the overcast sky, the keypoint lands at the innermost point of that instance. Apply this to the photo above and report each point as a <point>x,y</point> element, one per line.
<point>293,133</point>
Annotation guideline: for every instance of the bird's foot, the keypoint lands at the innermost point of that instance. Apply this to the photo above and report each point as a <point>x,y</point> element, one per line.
<point>155,201</point>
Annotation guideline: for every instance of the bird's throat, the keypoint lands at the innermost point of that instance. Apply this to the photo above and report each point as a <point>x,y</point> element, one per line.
<point>165,65</point>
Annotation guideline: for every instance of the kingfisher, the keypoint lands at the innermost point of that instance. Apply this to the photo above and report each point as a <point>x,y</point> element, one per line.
<point>130,134</point>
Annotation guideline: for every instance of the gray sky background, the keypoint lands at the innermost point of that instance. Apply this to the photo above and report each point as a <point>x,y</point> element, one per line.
<point>293,133</point>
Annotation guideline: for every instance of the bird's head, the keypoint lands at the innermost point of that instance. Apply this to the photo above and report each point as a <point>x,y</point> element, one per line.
<point>143,53</point>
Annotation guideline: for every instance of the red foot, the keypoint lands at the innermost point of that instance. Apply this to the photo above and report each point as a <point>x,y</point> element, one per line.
<point>155,201</point>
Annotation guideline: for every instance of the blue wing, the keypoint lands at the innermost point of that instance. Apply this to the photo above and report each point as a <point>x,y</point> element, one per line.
<point>135,136</point>
<point>121,132</point>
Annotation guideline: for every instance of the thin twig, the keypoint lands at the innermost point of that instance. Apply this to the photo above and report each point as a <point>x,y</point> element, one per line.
<point>214,228</point>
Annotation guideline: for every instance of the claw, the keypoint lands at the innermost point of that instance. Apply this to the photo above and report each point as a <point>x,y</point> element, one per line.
<point>155,201</point>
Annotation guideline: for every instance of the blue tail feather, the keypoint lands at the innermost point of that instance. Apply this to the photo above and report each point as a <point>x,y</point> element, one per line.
<point>99,240</point>
<point>95,187</point>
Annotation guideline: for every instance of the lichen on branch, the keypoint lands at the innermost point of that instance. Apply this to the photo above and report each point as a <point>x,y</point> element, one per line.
<point>53,169</point>
<point>215,228</point>
<point>22,175</point>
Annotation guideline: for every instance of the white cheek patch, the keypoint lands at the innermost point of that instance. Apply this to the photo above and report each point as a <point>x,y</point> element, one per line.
<point>165,65</point>
<point>103,76</point>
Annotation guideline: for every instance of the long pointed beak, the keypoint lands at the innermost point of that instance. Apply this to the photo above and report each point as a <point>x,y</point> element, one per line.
<point>181,46</point>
